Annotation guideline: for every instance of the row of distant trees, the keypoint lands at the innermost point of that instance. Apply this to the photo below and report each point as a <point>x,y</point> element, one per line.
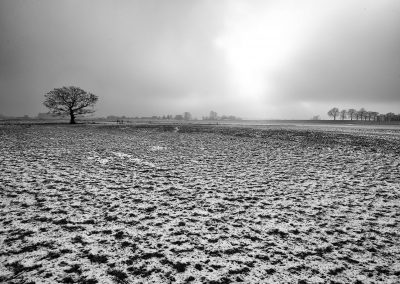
<point>213,116</point>
<point>185,116</point>
<point>362,114</point>
<point>188,116</point>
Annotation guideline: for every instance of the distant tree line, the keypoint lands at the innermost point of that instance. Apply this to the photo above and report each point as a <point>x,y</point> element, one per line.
<point>362,114</point>
<point>25,116</point>
<point>188,116</point>
<point>214,116</point>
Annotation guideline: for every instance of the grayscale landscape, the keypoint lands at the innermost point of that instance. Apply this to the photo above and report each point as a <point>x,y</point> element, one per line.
<point>200,141</point>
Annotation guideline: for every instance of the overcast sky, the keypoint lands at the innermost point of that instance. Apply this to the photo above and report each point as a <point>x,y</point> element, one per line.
<point>251,58</point>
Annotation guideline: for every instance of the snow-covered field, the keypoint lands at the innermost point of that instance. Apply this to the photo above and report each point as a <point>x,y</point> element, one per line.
<point>198,204</point>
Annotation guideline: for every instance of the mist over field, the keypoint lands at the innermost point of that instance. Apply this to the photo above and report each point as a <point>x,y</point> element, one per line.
<point>252,59</point>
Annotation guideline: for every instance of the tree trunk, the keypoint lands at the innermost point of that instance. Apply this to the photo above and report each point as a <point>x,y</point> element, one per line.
<point>72,115</point>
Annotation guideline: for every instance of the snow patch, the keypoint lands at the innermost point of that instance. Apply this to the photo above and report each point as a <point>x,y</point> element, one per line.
<point>103,161</point>
<point>157,148</point>
<point>122,155</point>
<point>142,162</point>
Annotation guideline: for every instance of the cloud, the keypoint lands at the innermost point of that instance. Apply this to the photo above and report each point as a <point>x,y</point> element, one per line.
<point>126,51</point>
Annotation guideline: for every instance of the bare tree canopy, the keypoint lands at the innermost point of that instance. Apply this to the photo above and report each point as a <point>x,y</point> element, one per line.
<point>351,112</point>
<point>333,112</point>
<point>362,113</point>
<point>70,101</point>
<point>343,114</point>
<point>187,116</point>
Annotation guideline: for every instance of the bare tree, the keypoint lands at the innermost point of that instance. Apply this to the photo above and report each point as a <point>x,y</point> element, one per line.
<point>389,116</point>
<point>333,112</point>
<point>374,115</point>
<point>187,116</point>
<point>371,114</point>
<point>352,112</point>
<point>343,114</point>
<point>362,113</point>
<point>71,101</point>
<point>213,115</point>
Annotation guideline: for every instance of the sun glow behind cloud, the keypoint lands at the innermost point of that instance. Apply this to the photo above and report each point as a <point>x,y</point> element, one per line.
<point>260,39</point>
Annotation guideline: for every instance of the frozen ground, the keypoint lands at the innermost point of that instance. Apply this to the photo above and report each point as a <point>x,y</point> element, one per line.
<point>198,204</point>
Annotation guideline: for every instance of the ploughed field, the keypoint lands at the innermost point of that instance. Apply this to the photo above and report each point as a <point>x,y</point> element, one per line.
<point>198,204</point>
